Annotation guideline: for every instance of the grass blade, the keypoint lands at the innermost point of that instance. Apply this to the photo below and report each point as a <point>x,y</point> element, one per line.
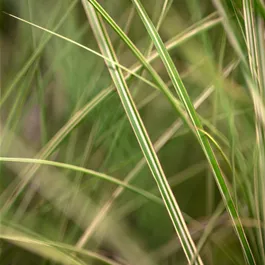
<point>160,142</point>
<point>86,48</point>
<point>142,136</point>
<point>57,251</point>
<point>183,95</point>
<point>49,148</point>
<point>85,171</point>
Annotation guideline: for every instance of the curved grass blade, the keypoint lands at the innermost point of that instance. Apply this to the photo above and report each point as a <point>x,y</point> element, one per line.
<point>86,48</point>
<point>96,174</point>
<point>54,250</point>
<point>50,147</point>
<point>183,95</point>
<point>203,25</point>
<point>37,246</point>
<point>56,188</point>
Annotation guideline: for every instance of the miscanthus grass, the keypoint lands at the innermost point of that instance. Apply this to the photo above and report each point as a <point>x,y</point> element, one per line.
<point>132,133</point>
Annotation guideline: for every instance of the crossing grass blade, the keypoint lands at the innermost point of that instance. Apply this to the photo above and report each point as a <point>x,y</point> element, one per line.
<point>61,117</point>
<point>86,48</point>
<point>141,135</point>
<point>51,146</point>
<point>205,145</point>
<point>158,145</point>
<point>73,122</point>
<point>157,79</point>
<point>56,188</point>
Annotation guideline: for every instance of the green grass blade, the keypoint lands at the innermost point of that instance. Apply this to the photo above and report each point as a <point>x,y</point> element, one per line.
<point>51,146</point>
<point>86,48</point>
<point>59,251</point>
<point>142,136</point>
<point>159,143</point>
<point>183,95</point>
<point>205,24</point>
<point>157,79</point>
<point>57,189</point>
<point>85,171</point>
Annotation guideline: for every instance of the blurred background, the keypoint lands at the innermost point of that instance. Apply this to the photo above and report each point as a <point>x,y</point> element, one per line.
<point>58,103</point>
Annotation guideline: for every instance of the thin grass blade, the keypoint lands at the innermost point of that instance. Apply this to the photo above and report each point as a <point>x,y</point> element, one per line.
<point>184,97</point>
<point>142,135</point>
